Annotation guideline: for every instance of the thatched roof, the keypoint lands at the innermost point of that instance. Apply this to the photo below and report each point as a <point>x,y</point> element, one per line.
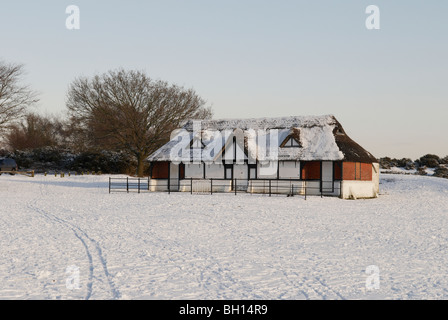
<point>319,137</point>
<point>352,151</point>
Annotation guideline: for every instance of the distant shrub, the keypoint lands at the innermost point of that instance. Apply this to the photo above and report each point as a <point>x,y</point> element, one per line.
<point>422,171</point>
<point>103,161</point>
<point>410,166</point>
<point>47,155</point>
<point>385,163</point>
<point>24,159</point>
<point>4,153</point>
<point>405,163</point>
<point>429,160</point>
<point>441,172</point>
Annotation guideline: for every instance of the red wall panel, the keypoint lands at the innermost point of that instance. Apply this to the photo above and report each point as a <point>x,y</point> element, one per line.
<point>357,171</point>
<point>366,171</point>
<point>311,170</point>
<point>160,170</point>
<point>337,170</point>
<point>348,170</point>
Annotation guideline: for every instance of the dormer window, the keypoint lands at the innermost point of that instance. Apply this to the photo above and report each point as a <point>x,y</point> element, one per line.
<point>291,142</point>
<point>196,143</point>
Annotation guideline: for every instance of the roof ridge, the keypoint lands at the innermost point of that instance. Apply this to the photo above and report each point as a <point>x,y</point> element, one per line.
<point>264,122</point>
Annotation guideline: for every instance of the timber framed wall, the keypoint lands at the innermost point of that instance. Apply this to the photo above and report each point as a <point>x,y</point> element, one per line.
<point>348,180</point>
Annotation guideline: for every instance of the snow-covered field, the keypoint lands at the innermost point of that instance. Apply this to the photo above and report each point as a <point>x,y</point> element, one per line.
<point>56,231</point>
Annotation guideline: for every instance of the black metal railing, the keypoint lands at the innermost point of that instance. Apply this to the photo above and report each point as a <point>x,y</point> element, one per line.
<point>289,187</point>
<point>129,184</point>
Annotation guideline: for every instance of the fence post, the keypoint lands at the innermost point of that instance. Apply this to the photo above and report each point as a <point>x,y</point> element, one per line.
<point>270,187</point>
<point>148,183</point>
<point>191,185</point>
<point>305,190</point>
<point>235,186</point>
<point>169,186</point>
<point>211,186</point>
<point>340,189</point>
<point>127,184</point>
<point>138,185</point>
<point>321,187</point>
<point>109,184</point>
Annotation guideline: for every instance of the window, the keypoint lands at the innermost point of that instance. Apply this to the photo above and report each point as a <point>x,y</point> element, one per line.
<point>196,143</point>
<point>252,172</point>
<point>291,142</point>
<point>228,172</point>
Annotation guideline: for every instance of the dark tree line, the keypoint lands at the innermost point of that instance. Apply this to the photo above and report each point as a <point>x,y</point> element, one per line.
<point>121,112</point>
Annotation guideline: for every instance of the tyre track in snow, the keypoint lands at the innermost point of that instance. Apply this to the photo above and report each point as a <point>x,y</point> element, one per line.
<point>93,250</point>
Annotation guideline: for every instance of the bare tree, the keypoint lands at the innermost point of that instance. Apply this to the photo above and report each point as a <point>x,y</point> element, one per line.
<point>127,110</point>
<point>15,98</point>
<point>37,131</point>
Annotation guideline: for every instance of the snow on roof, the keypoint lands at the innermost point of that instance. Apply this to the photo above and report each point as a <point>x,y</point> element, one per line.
<point>321,138</point>
<point>264,123</point>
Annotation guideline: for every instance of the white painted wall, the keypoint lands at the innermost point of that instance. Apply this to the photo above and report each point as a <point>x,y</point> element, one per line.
<point>195,171</point>
<point>376,177</point>
<point>204,186</point>
<point>289,170</point>
<point>214,171</point>
<point>347,189</point>
<point>276,187</point>
<point>158,185</point>
<point>230,154</point>
<point>174,177</point>
<point>268,171</point>
<point>284,187</point>
<point>240,171</point>
<point>327,176</point>
<point>312,188</point>
<point>174,171</point>
<point>358,189</point>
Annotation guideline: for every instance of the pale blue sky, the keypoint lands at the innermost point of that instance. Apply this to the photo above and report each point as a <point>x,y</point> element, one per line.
<point>256,58</point>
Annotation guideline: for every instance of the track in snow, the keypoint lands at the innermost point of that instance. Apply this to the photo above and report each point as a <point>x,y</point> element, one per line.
<point>99,277</point>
